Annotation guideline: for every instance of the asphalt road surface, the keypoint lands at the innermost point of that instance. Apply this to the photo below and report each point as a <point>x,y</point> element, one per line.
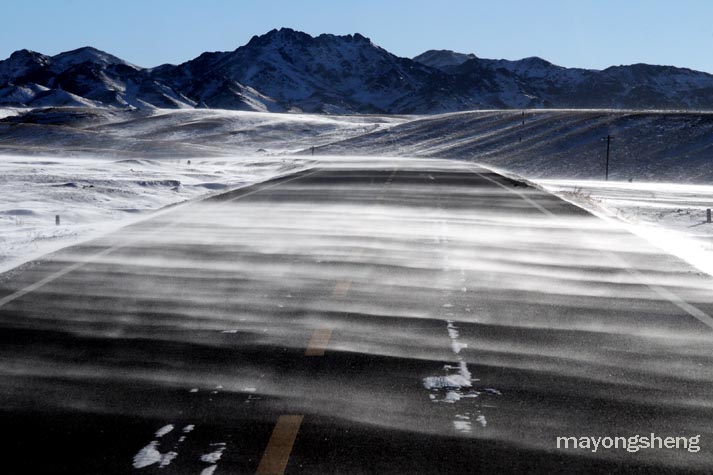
<point>364,317</point>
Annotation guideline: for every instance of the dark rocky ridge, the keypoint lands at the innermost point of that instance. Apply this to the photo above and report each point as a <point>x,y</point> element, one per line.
<point>287,70</point>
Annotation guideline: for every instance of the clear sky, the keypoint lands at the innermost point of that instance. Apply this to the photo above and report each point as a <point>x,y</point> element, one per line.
<point>582,33</point>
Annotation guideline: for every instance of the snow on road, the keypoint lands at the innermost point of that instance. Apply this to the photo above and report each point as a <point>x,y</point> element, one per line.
<point>125,164</point>
<point>95,196</point>
<point>670,216</point>
<point>102,190</point>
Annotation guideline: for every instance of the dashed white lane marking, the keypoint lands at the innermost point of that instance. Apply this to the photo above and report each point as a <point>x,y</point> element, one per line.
<point>666,294</point>
<point>279,447</point>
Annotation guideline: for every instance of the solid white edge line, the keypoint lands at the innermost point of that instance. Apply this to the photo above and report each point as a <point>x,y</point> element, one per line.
<point>56,275</point>
<point>666,294</point>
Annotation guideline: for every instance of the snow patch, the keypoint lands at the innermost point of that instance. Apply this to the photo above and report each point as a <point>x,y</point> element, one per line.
<point>94,197</point>
<point>670,216</point>
<point>213,457</point>
<point>148,455</point>
<point>164,430</point>
<point>209,470</point>
<point>463,426</point>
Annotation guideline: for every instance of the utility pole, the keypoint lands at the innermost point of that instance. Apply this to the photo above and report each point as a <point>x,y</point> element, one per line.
<point>606,174</point>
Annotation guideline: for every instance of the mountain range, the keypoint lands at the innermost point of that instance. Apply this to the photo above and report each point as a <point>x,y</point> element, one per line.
<point>289,71</point>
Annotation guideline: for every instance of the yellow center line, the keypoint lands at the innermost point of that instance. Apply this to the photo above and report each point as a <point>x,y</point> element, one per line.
<point>319,341</point>
<point>341,288</point>
<point>321,336</point>
<point>277,453</point>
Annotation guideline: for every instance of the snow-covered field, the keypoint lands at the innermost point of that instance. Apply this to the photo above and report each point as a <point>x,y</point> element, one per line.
<point>157,133</point>
<point>100,169</point>
<point>670,216</point>
<point>94,196</point>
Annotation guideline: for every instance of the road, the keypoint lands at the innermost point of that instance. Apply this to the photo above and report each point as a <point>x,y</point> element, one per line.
<point>378,316</point>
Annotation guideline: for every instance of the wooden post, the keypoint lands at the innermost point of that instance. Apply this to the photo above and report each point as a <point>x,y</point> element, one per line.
<point>56,219</point>
<point>708,215</point>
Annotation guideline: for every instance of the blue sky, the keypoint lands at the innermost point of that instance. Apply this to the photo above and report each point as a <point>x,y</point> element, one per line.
<point>582,33</point>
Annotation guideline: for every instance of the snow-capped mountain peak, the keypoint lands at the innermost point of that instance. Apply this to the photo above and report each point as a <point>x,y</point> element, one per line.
<point>289,70</point>
<point>443,58</point>
<point>20,63</point>
<point>86,54</point>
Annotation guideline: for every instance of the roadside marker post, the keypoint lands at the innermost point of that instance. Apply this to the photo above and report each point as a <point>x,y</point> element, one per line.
<point>56,219</point>
<point>708,215</point>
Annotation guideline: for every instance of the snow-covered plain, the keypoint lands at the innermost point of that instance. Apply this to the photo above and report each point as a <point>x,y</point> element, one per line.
<point>670,216</point>
<point>95,196</point>
<point>100,169</point>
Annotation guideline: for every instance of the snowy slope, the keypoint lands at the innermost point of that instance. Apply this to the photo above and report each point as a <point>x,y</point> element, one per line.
<point>85,76</point>
<point>100,168</point>
<point>638,86</point>
<point>174,133</point>
<point>443,59</point>
<point>647,146</point>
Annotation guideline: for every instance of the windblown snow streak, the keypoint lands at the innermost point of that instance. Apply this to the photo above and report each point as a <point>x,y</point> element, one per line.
<point>549,319</point>
<point>96,196</point>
